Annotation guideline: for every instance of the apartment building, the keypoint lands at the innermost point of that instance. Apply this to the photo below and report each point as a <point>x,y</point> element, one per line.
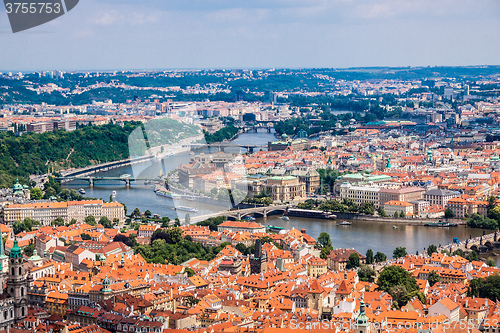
<point>462,208</point>
<point>360,194</point>
<point>391,207</point>
<point>408,194</point>
<point>440,197</point>
<point>47,212</point>
<point>280,188</point>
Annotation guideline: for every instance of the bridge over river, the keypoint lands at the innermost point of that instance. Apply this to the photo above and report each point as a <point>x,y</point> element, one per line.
<point>481,244</point>
<point>92,180</point>
<point>241,213</point>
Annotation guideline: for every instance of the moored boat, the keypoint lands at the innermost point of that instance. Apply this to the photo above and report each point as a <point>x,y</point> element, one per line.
<point>440,224</point>
<point>187,209</point>
<point>274,228</point>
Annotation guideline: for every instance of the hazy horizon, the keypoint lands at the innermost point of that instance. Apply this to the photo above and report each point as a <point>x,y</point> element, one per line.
<point>226,34</point>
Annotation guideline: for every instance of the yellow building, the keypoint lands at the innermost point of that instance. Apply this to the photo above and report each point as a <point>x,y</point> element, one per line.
<point>57,303</point>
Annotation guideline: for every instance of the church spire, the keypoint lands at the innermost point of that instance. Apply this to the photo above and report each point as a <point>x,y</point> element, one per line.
<point>15,252</point>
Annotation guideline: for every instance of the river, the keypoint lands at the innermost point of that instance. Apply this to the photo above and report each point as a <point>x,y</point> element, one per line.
<point>361,235</point>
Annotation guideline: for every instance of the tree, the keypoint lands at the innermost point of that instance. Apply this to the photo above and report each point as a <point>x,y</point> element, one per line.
<point>28,250</point>
<point>394,276</point>
<point>431,249</point>
<point>58,222</point>
<point>189,271</point>
<point>26,225</point>
<point>36,193</point>
<point>399,252</point>
<point>241,247</point>
<point>124,239</point>
<point>266,239</point>
<point>90,220</point>
<point>448,213</point>
<point>136,212</point>
<point>479,221</point>
<point>459,252</point>
<point>396,214</point>
<point>187,218</point>
<point>73,221</point>
<point>402,214</point>
<point>369,257</point>
<point>400,295</point>
<point>381,212</point>
<point>485,288</point>
<point>380,257</point>
<point>472,256</point>
<point>324,239</point>
<point>147,213</point>
<point>85,236</point>
<point>367,208</point>
<point>490,262</point>
<point>366,273</point>
<point>105,222</point>
<point>165,222</point>
<point>325,251</point>
<point>353,261</point>
<point>433,278</point>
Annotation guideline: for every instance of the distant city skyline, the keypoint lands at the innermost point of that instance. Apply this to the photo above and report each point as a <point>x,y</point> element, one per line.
<point>216,34</point>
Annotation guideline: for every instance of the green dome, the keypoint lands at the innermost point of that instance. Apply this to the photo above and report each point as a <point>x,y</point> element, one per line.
<point>35,256</point>
<point>15,252</point>
<point>17,186</point>
<point>106,284</point>
<point>362,319</point>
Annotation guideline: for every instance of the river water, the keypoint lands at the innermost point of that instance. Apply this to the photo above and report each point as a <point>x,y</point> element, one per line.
<point>361,235</point>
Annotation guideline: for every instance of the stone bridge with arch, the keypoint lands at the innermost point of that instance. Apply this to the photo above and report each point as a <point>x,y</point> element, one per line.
<point>242,213</point>
<point>481,244</point>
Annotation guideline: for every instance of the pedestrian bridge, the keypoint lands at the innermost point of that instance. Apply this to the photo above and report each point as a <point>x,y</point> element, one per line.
<point>481,244</point>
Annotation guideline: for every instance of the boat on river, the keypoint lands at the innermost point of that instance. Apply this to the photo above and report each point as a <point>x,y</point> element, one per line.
<point>345,223</point>
<point>440,224</point>
<point>187,209</point>
<point>166,194</point>
<point>82,191</point>
<point>274,228</point>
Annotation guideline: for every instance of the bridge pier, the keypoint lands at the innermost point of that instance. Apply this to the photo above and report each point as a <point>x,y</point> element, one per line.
<point>238,216</point>
<point>127,183</point>
<point>264,213</point>
<point>91,182</point>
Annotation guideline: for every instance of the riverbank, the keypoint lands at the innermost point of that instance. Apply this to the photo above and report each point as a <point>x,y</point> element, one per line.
<point>363,217</point>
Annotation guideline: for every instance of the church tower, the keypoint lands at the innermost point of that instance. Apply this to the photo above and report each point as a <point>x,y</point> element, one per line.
<point>17,282</point>
<point>362,324</point>
<point>258,263</point>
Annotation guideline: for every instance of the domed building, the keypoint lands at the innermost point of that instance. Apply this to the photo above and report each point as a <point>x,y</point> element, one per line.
<point>19,190</point>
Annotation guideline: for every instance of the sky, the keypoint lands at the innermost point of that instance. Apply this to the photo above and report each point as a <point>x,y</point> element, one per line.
<point>186,34</point>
